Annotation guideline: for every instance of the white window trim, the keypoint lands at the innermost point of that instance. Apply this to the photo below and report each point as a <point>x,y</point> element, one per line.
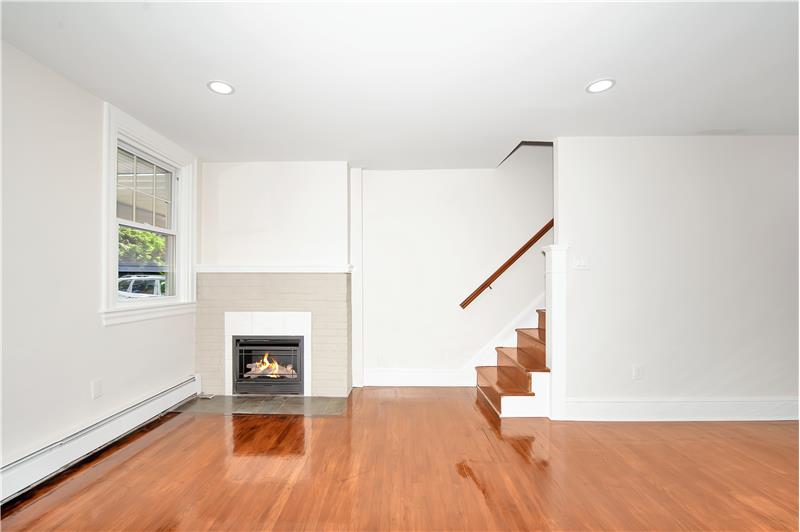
<point>118,126</point>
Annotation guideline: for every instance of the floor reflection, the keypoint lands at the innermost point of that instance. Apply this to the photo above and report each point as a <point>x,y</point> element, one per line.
<point>285,435</point>
<point>528,437</point>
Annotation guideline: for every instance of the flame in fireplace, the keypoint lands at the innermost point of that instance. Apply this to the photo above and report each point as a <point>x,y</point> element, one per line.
<point>270,368</point>
<point>267,367</point>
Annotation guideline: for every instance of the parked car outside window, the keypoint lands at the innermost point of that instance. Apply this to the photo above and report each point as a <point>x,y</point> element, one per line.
<point>139,286</point>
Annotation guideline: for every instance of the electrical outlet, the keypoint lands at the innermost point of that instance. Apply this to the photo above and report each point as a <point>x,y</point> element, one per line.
<point>581,263</point>
<point>96,388</point>
<point>636,372</point>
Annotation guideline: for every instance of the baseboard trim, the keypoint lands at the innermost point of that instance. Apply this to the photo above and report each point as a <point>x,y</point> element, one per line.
<point>683,409</point>
<point>33,468</point>
<point>419,377</point>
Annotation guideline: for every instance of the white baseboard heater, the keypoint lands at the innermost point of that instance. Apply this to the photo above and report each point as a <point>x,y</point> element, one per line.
<point>40,465</point>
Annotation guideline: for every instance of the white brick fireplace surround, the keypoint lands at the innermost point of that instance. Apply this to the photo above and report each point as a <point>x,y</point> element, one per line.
<point>312,305</point>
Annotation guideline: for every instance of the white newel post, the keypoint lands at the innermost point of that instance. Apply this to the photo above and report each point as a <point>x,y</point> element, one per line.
<point>556,305</point>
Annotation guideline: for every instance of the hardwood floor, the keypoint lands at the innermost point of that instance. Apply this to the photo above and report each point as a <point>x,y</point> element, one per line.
<point>427,459</point>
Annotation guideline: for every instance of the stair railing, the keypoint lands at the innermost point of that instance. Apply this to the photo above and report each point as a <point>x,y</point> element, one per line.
<point>507,264</point>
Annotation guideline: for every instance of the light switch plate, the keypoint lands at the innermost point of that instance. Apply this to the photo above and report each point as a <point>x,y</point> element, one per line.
<point>636,372</point>
<point>581,263</point>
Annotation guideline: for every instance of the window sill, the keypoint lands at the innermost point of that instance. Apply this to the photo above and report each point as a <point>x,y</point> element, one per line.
<point>133,313</point>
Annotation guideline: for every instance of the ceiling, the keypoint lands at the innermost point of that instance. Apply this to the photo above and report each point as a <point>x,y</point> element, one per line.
<point>413,85</point>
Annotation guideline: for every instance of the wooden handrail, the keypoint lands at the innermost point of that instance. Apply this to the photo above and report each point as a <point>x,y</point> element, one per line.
<point>507,264</point>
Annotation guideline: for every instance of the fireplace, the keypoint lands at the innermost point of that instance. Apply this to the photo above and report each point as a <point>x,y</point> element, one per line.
<point>268,365</point>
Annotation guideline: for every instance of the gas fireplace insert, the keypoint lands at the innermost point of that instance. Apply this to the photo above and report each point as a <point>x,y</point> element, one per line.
<point>268,365</point>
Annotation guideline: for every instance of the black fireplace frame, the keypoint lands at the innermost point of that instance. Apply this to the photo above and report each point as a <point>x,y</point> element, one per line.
<point>268,386</point>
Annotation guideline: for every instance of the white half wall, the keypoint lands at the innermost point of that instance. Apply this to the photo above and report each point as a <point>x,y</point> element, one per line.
<point>682,276</point>
<point>54,344</point>
<point>430,238</point>
<point>274,216</point>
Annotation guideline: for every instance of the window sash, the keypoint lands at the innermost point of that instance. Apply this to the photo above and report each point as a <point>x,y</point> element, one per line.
<point>150,158</point>
<point>169,269</point>
<point>141,158</point>
<point>135,191</point>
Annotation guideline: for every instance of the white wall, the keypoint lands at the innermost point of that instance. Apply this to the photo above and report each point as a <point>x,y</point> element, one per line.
<point>284,216</point>
<point>53,341</point>
<point>691,244</point>
<point>429,239</point>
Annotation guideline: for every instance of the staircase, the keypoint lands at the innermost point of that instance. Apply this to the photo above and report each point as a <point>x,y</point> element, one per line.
<point>508,387</point>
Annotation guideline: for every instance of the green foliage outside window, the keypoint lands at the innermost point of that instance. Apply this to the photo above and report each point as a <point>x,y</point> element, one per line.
<point>142,247</point>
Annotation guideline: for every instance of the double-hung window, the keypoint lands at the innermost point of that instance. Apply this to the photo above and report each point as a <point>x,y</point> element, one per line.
<point>149,230</point>
<point>145,226</point>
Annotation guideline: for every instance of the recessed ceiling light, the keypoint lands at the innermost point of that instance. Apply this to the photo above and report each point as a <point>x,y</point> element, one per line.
<point>600,85</point>
<point>220,87</point>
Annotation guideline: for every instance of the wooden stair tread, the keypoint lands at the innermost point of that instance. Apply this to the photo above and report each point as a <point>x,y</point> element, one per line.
<point>493,377</point>
<point>534,333</point>
<point>523,359</point>
<point>513,374</point>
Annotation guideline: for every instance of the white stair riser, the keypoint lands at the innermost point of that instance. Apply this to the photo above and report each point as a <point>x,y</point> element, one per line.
<point>529,406</point>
